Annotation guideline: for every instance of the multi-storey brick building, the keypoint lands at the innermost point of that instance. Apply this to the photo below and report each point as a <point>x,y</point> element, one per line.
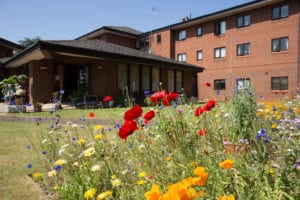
<point>256,43</point>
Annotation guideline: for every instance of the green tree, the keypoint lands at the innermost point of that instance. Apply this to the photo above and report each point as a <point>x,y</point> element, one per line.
<point>28,41</point>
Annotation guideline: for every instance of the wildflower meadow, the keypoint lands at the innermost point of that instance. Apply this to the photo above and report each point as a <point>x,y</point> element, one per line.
<point>238,149</point>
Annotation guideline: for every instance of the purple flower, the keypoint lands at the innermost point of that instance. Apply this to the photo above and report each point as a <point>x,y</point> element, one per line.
<point>57,168</point>
<point>29,166</point>
<point>61,91</point>
<point>44,152</point>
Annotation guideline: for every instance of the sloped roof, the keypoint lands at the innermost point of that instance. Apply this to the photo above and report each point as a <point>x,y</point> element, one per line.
<point>125,30</point>
<point>102,49</point>
<point>10,44</point>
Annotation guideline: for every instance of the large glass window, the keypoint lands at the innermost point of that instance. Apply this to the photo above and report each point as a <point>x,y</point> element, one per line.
<point>280,12</point>
<point>280,44</point>
<point>279,83</point>
<point>83,83</point>
<point>220,52</point>
<point>171,80</point>
<point>243,49</point>
<point>122,76</point>
<point>182,35</point>
<point>181,57</point>
<point>243,21</point>
<point>134,78</point>
<point>220,28</point>
<point>179,85</point>
<point>146,78</point>
<point>220,84</point>
<point>155,79</point>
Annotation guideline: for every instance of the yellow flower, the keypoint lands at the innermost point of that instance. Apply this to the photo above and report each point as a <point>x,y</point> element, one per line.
<point>142,174</point>
<point>99,136</point>
<point>116,182</point>
<point>193,164</point>
<point>81,141</point>
<point>88,152</point>
<point>76,164</point>
<point>278,117</point>
<point>55,187</point>
<point>227,164</point>
<point>52,173</point>
<point>273,126</point>
<point>36,175</point>
<point>113,177</point>
<point>168,159</point>
<point>98,127</point>
<point>230,197</point>
<point>202,176</point>
<point>271,172</point>
<point>60,162</point>
<point>103,195</point>
<point>140,182</point>
<point>259,114</point>
<point>154,193</point>
<point>90,193</point>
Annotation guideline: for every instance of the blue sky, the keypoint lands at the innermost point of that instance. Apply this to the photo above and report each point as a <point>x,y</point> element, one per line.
<point>69,19</point>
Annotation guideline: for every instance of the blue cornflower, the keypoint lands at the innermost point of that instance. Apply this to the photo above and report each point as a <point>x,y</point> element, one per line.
<point>117,126</point>
<point>44,152</point>
<point>267,140</point>
<point>28,146</point>
<point>74,139</point>
<point>57,168</point>
<point>29,166</point>
<point>261,133</point>
<point>55,100</point>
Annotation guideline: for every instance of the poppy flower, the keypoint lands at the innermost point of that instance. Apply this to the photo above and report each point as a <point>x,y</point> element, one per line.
<point>199,111</point>
<point>133,113</point>
<point>158,96</point>
<point>127,129</point>
<point>202,132</point>
<point>172,96</point>
<point>107,99</point>
<point>148,116</point>
<point>91,115</point>
<point>207,84</point>
<point>211,103</point>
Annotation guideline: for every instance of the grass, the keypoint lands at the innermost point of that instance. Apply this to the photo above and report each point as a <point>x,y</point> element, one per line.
<point>14,182</point>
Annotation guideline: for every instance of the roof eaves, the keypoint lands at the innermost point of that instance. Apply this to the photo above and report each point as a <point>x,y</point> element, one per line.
<point>11,44</point>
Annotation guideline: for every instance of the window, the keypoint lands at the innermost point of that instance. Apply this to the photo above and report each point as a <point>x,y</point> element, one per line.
<point>199,55</point>
<point>182,35</point>
<point>122,76</point>
<point>280,44</point>
<point>199,31</point>
<point>220,52</point>
<point>134,78</point>
<point>279,83</point>
<point>181,57</point>
<point>219,84</point>
<point>155,79</point>
<point>158,38</point>
<point>243,49</point>
<point>178,81</point>
<point>171,80</point>
<point>243,84</point>
<point>220,28</point>
<point>243,21</point>
<point>146,78</point>
<point>280,12</point>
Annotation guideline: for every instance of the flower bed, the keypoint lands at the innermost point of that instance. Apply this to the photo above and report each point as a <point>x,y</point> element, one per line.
<point>177,152</point>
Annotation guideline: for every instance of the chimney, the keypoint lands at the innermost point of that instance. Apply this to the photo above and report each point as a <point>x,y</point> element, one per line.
<point>184,19</point>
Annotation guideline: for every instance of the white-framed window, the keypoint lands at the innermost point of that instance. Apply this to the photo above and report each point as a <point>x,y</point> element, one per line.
<point>243,84</point>
<point>220,52</point>
<point>181,57</point>
<point>199,55</point>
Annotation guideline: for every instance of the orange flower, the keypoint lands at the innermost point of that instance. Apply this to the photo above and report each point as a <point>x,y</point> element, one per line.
<point>227,164</point>
<point>91,115</point>
<point>154,193</point>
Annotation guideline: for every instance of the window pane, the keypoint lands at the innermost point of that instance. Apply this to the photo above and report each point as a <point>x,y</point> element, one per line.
<point>155,79</point>
<point>182,35</point>
<point>275,45</point>
<point>222,27</point>
<point>247,49</point>
<point>284,44</point>
<point>275,13</point>
<point>122,75</point>
<point>199,55</point>
<point>223,52</point>
<point>240,50</point>
<point>146,78</point>
<point>199,31</point>
<point>247,20</point>
<point>178,81</point>
<point>217,53</point>
<point>240,21</point>
<point>134,78</point>
<point>171,80</point>
<point>284,11</point>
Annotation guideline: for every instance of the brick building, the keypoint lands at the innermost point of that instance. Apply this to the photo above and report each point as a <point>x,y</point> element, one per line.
<point>256,43</point>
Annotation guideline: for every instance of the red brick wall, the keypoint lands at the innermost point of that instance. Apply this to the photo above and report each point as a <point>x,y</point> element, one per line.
<point>259,66</point>
<point>118,39</point>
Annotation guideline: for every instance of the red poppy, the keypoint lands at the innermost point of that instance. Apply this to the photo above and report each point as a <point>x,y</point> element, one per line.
<point>172,96</point>
<point>202,132</point>
<point>127,129</point>
<point>207,84</point>
<point>166,102</point>
<point>148,116</point>
<point>91,115</point>
<point>199,111</point>
<point>107,99</point>
<point>158,96</point>
<point>133,113</point>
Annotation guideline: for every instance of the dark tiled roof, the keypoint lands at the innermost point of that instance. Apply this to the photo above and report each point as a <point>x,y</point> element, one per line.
<point>107,47</point>
<point>10,44</point>
<point>125,29</point>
